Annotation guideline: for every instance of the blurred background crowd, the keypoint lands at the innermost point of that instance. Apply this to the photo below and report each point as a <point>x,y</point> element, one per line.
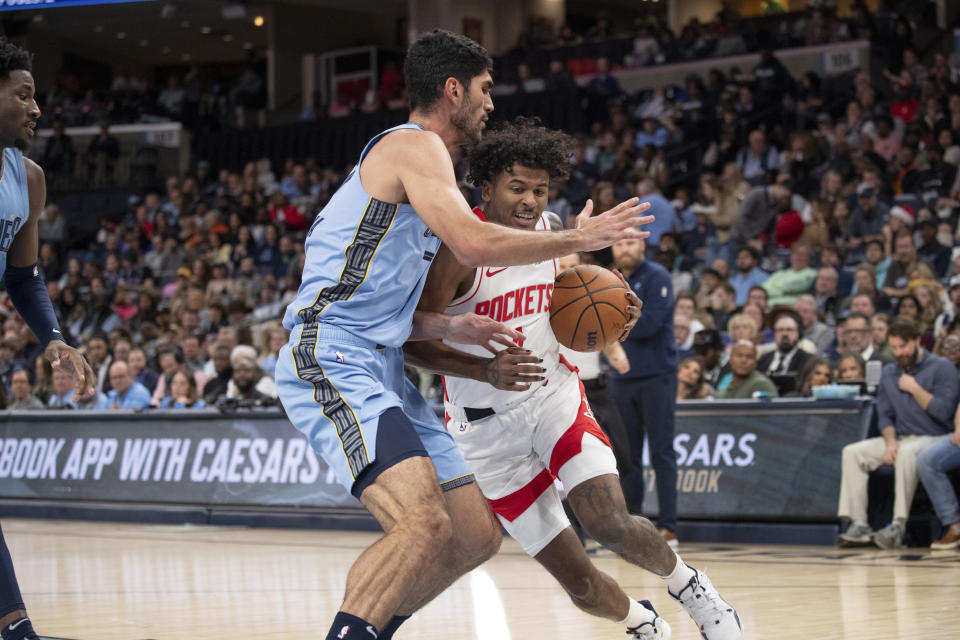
<point>825,204</point>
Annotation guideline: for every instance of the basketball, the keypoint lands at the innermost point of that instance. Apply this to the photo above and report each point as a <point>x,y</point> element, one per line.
<point>588,310</point>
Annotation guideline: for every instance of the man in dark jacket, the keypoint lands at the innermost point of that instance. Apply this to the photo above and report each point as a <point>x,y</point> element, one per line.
<point>783,365</point>
<point>646,395</point>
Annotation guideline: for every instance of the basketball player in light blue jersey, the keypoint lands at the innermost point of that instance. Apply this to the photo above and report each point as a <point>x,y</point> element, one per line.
<point>340,378</point>
<point>23,192</point>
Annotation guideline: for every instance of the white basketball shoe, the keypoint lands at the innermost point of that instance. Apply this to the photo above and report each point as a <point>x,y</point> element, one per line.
<point>656,629</point>
<point>714,616</point>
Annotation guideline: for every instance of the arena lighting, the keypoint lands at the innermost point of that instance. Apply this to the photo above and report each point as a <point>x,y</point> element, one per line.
<point>258,21</point>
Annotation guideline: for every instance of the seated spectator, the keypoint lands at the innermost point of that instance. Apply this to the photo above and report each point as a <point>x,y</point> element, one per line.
<point>741,327</point>
<point>757,213</point>
<point>948,346</point>
<point>723,304</point>
<point>248,381</point>
<point>851,368</point>
<point>687,305</point>
<point>758,296</point>
<point>745,380</point>
<point>682,336</point>
<point>758,158</point>
<point>879,327</point>
<point>867,219</point>
<point>826,296</point>
<point>99,358</point>
<point>183,393</point>
<point>276,338</point>
<point>748,274</point>
<point>817,332</point>
<point>708,345</point>
<point>897,282</point>
<point>690,383</point>
<point>126,392</point>
<point>858,337</point>
<point>934,462</point>
<point>216,385</point>
<point>137,360</point>
<point>21,395</point>
<point>783,365</point>
<point>931,250</point>
<point>786,285</point>
<point>916,401</point>
<point>62,394</point>
<point>816,372</point>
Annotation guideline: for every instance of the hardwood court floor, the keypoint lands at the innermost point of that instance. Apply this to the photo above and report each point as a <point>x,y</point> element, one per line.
<point>130,582</point>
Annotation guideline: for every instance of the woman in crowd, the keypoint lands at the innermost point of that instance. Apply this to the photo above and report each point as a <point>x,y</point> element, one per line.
<point>879,324</point>
<point>851,368</point>
<point>690,381</point>
<point>742,327</point>
<point>816,372</point>
<point>183,393</point>
<point>931,305</point>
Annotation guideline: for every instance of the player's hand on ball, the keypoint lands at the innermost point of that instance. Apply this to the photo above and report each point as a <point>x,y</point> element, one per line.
<point>619,223</point>
<point>514,369</point>
<point>470,328</point>
<point>64,357</point>
<point>636,304</point>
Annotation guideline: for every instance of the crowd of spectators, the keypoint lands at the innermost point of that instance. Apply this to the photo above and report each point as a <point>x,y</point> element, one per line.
<point>199,97</point>
<point>816,213</point>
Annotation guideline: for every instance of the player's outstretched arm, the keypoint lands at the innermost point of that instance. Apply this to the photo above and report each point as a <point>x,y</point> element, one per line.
<point>426,173</point>
<point>29,294</point>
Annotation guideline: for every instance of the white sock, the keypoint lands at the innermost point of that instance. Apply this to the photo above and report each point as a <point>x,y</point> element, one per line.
<point>680,576</point>
<point>637,615</point>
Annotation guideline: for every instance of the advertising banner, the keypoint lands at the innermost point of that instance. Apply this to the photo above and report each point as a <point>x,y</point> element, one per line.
<point>195,457</point>
<point>759,461</point>
<point>735,459</point>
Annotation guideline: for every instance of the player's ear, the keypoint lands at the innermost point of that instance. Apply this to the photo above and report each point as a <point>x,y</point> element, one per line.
<point>486,191</point>
<point>453,89</point>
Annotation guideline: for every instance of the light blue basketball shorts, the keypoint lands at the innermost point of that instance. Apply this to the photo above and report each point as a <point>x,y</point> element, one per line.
<point>343,393</point>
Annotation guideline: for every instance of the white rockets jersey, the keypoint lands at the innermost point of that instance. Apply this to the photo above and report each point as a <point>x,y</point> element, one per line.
<point>519,297</point>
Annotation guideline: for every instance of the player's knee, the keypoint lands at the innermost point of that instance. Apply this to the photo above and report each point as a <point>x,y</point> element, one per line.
<point>584,591</point>
<point>430,525</point>
<point>611,530</point>
<point>490,543</point>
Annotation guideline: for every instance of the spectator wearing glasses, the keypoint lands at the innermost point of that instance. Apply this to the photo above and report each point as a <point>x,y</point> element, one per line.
<point>783,364</point>
<point>859,340</point>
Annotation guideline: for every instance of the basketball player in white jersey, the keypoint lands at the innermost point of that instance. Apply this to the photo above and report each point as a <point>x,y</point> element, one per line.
<point>340,378</point>
<point>521,424</point>
<point>23,194</point>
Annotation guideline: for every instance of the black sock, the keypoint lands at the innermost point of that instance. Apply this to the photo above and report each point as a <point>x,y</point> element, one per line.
<point>391,627</point>
<point>20,629</point>
<point>349,627</point>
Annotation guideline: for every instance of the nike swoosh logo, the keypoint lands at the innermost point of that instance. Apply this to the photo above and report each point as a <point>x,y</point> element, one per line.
<point>371,631</point>
<point>491,272</point>
<point>14,625</point>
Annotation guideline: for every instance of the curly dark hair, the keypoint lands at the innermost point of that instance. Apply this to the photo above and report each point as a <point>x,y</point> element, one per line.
<point>525,142</point>
<point>439,55</point>
<point>13,58</point>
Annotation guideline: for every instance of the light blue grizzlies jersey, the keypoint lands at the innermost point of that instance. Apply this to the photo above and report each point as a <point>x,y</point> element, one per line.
<point>366,264</point>
<point>14,201</point>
